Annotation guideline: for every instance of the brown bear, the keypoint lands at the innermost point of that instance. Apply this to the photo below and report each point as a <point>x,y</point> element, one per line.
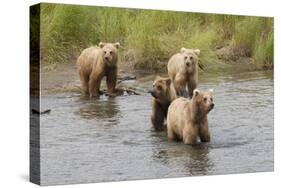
<point>96,62</point>
<point>183,69</point>
<point>187,118</point>
<point>163,93</point>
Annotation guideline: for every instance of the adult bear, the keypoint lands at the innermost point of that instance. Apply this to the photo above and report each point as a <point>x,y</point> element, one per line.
<point>163,93</point>
<point>183,69</point>
<point>187,119</point>
<point>96,62</point>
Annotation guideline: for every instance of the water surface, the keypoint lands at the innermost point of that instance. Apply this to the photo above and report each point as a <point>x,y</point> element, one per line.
<point>111,139</point>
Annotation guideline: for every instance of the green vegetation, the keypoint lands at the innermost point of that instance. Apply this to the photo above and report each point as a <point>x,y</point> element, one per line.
<point>150,37</point>
<point>254,38</point>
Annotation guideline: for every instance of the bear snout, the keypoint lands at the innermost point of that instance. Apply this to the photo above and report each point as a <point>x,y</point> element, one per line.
<point>212,106</point>
<point>188,63</point>
<point>152,92</point>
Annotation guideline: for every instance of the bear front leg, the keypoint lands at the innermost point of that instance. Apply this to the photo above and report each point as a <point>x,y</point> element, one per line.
<point>191,84</point>
<point>171,134</point>
<point>84,80</point>
<point>190,139</point>
<point>111,79</point>
<point>189,135</point>
<point>178,89</point>
<point>180,85</point>
<point>157,117</point>
<point>204,133</point>
<point>94,85</point>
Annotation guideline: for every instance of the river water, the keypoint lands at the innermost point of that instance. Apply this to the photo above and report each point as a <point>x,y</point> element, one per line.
<point>112,139</point>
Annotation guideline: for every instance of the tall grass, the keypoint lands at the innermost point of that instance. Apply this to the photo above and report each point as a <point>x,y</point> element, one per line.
<point>150,37</point>
<point>264,51</point>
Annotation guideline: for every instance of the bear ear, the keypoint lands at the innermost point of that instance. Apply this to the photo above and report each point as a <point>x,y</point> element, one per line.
<point>101,44</point>
<point>183,50</point>
<point>211,90</point>
<point>196,92</point>
<point>168,81</point>
<point>117,45</point>
<point>196,51</point>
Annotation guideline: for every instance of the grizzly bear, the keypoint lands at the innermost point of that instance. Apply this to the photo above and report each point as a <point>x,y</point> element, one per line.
<point>97,62</point>
<point>187,118</point>
<point>163,93</point>
<point>183,69</point>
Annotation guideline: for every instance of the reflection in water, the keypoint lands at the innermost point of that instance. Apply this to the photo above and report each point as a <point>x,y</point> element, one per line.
<point>99,109</point>
<point>200,162</point>
<point>192,160</point>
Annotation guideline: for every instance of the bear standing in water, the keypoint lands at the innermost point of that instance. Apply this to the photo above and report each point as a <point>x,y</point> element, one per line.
<point>163,93</point>
<point>96,62</point>
<point>183,69</point>
<point>187,119</point>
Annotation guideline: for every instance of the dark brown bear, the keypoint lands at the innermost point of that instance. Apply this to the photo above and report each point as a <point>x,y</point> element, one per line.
<point>163,93</point>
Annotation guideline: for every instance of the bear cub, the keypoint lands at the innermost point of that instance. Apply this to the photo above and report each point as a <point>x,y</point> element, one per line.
<point>187,118</point>
<point>97,62</point>
<point>163,93</point>
<point>183,69</point>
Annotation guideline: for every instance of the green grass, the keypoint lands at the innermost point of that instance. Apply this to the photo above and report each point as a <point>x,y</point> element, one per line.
<point>148,37</point>
<point>264,51</point>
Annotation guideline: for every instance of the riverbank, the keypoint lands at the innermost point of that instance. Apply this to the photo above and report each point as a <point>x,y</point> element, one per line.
<point>57,78</point>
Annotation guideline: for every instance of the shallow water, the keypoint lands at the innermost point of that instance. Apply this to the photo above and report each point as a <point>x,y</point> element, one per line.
<point>111,139</point>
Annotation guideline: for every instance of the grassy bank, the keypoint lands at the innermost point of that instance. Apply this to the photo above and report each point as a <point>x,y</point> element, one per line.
<point>149,38</point>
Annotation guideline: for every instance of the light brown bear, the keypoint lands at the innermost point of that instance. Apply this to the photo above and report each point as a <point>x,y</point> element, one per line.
<point>163,93</point>
<point>96,62</point>
<point>187,118</point>
<point>183,69</point>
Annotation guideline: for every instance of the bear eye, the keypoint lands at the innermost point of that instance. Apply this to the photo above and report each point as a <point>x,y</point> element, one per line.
<point>205,99</point>
<point>104,52</point>
<point>190,57</point>
<point>185,57</point>
<point>158,87</point>
<point>110,52</point>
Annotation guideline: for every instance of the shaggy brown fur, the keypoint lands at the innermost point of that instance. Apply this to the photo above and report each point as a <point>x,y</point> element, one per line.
<point>187,119</point>
<point>163,93</point>
<point>183,69</point>
<point>96,62</point>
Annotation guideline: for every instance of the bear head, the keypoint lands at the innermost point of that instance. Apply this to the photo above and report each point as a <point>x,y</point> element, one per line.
<point>161,88</point>
<point>190,58</point>
<point>110,52</point>
<point>203,101</point>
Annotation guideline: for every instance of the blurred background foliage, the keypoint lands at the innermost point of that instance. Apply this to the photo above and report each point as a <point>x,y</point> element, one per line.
<point>150,37</point>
